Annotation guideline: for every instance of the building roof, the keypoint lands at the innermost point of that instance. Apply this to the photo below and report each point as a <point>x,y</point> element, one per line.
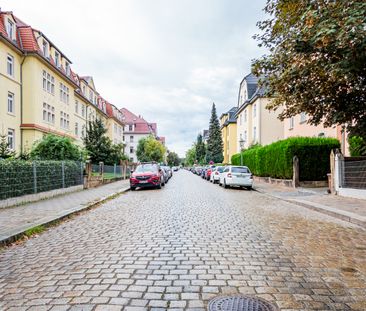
<point>141,125</point>
<point>231,116</point>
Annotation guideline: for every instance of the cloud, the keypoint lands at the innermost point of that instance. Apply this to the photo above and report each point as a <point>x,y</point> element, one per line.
<point>166,60</point>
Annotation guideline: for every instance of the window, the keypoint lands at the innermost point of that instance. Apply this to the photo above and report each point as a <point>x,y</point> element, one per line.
<point>48,82</point>
<point>57,59</point>
<point>302,117</point>
<point>255,133</point>
<point>11,108</point>
<point>83,131</point>
<point>120,130</point>
<point>131,159</point>
<point>45,49</point>
<point>64,93</point>
<point>76,129</point>
<point>123,137</point>
<point>131,139</point>
<point>67,68</point>
<point>291,123</point>
<point>130,127</point>
<point>10,29</point>
<point>245,135</point>
<point>91,95</point>
<point>48,113</point>
<point>10,65</point>
<point>131,149</point>
<point>64,120</point>
<point>11,139</point>
<point>254,110</point>
<point>84,89</point>
<point>245,116</point>
<point>83,110</point>
<point>76,106</point>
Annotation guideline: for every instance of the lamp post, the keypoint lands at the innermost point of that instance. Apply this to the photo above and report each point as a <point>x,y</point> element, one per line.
<point>241,143</point>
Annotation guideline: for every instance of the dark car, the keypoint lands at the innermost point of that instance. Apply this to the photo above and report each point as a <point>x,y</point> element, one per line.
<point>147,175</point>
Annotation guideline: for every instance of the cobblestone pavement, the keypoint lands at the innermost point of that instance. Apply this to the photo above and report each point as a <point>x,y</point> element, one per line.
<point>178,247</point>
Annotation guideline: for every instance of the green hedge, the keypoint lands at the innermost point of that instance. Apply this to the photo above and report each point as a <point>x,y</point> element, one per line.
<point>275,160</point>
<point>17,177</point>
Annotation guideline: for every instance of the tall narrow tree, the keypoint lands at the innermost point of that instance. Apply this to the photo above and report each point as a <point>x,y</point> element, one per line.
<point>200,150</point>
<point>214,143</point>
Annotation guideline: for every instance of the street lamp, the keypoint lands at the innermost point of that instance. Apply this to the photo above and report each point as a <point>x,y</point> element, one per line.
<point>241,143</point>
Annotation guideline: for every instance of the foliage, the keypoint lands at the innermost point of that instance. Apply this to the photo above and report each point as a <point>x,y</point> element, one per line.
<point>100,147</point>
<point>5,151</point>
<point>357,146</point>
<point>316,61</point>
<point>52,147</point>
<point>150,149</point>
<point>190,156</point>
<point>275,160</point>
<point>200,150</point>
<point>18,176</point>
<point>214,143</point>
<point>173,159</point>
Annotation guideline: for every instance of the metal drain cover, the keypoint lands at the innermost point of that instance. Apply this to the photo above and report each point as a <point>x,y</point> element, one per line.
<point>240,303</point>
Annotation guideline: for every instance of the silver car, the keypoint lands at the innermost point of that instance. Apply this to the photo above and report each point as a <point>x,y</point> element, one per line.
<point>239,176</point>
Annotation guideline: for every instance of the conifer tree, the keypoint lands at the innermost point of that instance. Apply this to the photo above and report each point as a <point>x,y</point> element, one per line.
<point>5,151</point>
<point>200,150</point>
<point>214,143</point>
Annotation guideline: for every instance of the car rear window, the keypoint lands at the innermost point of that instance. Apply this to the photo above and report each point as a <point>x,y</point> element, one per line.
<point>146,168</point>
<point>220,169</point>
<point>241,170</point>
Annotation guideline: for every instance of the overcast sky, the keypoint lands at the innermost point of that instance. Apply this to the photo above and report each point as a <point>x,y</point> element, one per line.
<point>166,60</point>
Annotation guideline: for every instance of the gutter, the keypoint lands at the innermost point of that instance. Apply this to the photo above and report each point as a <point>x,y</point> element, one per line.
<point>21,104</point>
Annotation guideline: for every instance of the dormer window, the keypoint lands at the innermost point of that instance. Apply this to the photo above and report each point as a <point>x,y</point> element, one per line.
<point>67,68</point>
<point>10,29</point>
<point>45,49</point>
<point>57,59</point>
<point>84,89</point>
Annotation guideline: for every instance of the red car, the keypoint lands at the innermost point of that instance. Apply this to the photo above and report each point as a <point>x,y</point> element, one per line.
<point>209,171</point>
<point>147,175</point>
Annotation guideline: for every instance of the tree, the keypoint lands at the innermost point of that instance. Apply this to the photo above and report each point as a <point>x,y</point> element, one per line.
<point>190,156</point>
<point>172,159</point>
<point>100,147</point>
<point>59,148</point>
<point>316,60</point>
<point>214,143</point>
<point>5,151</point>
<point>149,149</point>
<point>200,149</point>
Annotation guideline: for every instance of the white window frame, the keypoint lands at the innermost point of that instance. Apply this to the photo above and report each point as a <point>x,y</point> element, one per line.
<point>302,117</point>
<point>67,68</point>
<point>48,113</point>
<point>11,139</point>
<point>64,93</point>
<point>48,82</point>
<point>10,65</point>
<point>76,106</point>
<point>57,59</point>
<point>45,49</point>
<point>11,103</point>
<point>83,110</point>
<point>10,29</point>
<point>76,129</point>
<point>64,120</point>
<point>292,123</point>
<point>245,116</point>
<point>254,110</point>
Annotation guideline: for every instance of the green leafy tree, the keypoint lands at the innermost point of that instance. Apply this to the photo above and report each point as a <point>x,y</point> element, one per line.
<point>357,146</point>
<point>100,147</point>
<point>5,151</point>
<point>200,150</point>
<point>214,143</point>
<point>190,156</point>
<point>316,60</point>
<point>52,147</point>
<point>173,159</point>
<point>149,149</point>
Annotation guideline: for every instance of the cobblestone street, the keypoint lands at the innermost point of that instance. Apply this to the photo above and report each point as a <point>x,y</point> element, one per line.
<point>178,247</point>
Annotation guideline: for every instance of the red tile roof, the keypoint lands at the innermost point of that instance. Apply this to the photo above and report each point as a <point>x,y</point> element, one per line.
<point>141,126</point>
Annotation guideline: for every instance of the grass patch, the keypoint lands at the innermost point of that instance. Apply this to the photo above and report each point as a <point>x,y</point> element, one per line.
<point>34,230</point>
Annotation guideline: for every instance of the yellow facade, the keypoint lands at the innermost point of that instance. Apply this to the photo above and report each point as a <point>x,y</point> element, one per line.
<point>10,94</point>
<point>228,132</point>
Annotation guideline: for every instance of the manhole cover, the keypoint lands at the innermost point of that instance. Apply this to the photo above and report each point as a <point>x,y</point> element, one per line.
<point>240,303</point>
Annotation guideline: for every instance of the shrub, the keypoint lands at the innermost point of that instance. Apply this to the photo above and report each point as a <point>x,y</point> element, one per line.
<point>275,160</point>
<point>18,179</point>
<point>357,146</point>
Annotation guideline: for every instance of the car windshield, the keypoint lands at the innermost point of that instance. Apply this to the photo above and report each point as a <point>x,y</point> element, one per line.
<point>220,169</point>
<point>239,170</point>
<point>143,168</point>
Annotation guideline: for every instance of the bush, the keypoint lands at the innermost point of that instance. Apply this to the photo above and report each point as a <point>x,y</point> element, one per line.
<point>357,146</point>
<point>18,179</point>
<point>275,160</point>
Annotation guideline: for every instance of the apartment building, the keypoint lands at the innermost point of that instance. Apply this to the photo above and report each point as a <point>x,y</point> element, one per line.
<point>255,123</point>
<point>136,128</point>
<point>40,92</point>
<point>115,123</point>
<point>229,132</point>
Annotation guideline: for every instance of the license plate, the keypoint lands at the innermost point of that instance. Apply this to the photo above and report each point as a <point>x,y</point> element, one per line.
<point>143,181</point>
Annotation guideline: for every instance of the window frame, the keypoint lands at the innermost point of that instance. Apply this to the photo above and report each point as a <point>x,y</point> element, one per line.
<point>10,25</point>
<point>11,98</point>
<point>10,65</point>
<point>12,136</point>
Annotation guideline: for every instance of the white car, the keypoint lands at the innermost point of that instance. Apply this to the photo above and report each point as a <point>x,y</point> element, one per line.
<point>215,175</point>
<point>239,176</point>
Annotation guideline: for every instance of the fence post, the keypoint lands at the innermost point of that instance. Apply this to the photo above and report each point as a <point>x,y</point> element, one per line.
<point>63,173</point>
<point>115,170</point>
<point>81,173</point>
<point>101,169</point>
<point>34,177</point>
<point>296,172</point>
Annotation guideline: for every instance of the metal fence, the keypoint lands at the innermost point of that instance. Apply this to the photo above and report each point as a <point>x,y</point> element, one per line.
<point>353,173</point>
<point>19,178</point>
<point>111,171</point>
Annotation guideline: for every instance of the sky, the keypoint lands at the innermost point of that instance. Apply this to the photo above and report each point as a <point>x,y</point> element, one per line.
<point>166,60</point>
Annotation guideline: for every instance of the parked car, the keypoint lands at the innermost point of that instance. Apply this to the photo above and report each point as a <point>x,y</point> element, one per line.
<point>168,170</point>
<point>165,174</point>
<point>239,176</point>
<point>215,175</point>
<point>147,175</point>
<point>175,168</point>
<point>209,171</point>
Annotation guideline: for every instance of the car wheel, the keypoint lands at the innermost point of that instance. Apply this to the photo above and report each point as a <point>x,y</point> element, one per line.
<point>250,188</point>
<point>133,188</point>
<point>158,186</point>
<point>225,185</point>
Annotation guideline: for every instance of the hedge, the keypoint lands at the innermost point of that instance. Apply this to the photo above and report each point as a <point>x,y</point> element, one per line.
<point>17,176</point>
<point>275,160</point>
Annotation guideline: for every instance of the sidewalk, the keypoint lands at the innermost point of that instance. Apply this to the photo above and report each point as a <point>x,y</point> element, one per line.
<point>16,220</point>
<point>347,209</point>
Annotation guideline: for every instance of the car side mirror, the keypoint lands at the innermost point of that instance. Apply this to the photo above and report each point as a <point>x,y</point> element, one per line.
<point>132,171</point>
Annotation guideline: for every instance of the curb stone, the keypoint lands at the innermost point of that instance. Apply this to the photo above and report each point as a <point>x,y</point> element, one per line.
<point>49,221</point>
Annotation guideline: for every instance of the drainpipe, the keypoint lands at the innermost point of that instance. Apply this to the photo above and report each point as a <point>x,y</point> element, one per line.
<point>21,104</point>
